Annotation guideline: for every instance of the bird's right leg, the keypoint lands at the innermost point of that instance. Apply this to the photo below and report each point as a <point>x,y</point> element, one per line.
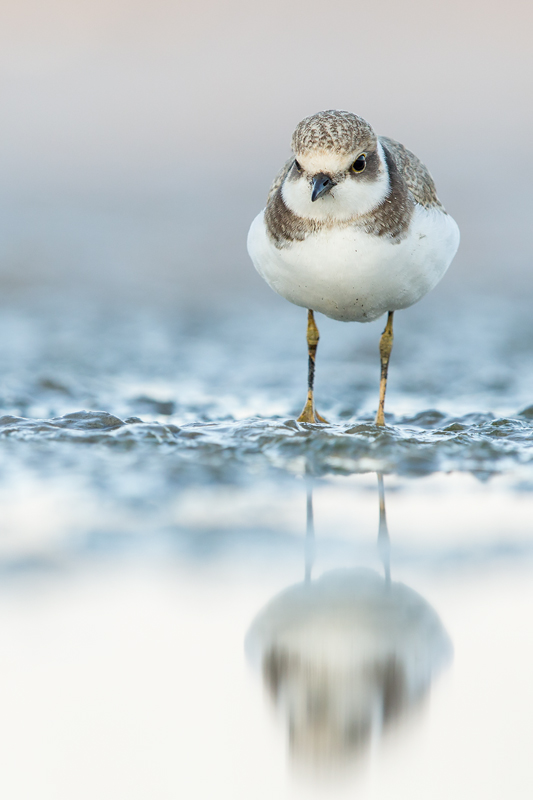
<point>309,414</point>
<point>385,349</point>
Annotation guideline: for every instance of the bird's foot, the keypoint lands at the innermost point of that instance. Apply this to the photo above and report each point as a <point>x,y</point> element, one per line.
<point>310,415</point>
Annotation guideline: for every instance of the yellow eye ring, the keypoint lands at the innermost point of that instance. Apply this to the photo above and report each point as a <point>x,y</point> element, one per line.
<point>359,164</point>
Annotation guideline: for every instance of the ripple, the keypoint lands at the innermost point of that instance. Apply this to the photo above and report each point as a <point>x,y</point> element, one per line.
<point>426,443</point>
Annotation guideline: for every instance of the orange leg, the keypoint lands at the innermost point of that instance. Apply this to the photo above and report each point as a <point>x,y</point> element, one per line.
<point>309,414</point>
<point>385,348</point>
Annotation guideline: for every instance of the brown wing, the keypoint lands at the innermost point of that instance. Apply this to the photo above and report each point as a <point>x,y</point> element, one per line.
<point>416,175</point>
<point>280,177</point>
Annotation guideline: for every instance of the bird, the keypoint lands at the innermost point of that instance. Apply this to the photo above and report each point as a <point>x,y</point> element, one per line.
<point>352,229</point>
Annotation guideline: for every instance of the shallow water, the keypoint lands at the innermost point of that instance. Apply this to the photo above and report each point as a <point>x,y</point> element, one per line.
<point>176,621</point>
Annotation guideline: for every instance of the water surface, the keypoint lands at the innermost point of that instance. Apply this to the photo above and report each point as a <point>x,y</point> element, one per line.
<point>175,620</point>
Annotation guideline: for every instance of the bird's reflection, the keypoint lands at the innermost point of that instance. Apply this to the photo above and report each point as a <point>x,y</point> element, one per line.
<point>346,654</point>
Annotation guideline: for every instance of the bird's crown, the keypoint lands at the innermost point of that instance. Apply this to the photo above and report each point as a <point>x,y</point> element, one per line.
<point>335,131</point>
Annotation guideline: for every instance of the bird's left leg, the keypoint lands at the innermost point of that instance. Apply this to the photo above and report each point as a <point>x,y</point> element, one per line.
<point>309,414</point>
<point>385,348</point>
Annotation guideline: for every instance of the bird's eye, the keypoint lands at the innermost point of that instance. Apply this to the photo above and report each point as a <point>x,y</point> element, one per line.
<point>298,167</point>
<point>360,163</point>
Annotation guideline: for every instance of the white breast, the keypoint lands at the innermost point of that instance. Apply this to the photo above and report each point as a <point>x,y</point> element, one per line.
<point>350,275</point>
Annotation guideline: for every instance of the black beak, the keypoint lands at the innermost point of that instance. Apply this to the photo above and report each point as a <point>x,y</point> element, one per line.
<point>322,184</point>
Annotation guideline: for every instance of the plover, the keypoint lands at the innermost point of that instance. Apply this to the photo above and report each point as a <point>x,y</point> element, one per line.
<point>352,228</point>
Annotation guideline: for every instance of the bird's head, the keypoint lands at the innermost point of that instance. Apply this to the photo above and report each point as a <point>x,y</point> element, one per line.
<point>339,171</point>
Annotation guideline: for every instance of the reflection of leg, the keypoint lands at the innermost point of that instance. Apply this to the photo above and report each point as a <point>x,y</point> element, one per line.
<point>383,533</point>
<point>309,414</point>
<point>385,348</point>
<point>309,535</point>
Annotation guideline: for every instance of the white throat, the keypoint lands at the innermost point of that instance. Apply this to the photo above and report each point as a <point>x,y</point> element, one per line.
<point>351,198</point>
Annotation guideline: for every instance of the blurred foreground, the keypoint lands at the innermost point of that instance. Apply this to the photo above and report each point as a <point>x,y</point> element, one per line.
<point>153,488</point>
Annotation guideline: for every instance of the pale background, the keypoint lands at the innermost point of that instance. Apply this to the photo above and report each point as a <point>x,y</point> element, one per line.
<point>139,140</point>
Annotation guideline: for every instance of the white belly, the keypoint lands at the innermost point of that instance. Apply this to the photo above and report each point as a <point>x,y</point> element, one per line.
<point>349,275</point>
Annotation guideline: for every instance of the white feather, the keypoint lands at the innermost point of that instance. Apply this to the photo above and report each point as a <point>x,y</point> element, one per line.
<point>350,275</point>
